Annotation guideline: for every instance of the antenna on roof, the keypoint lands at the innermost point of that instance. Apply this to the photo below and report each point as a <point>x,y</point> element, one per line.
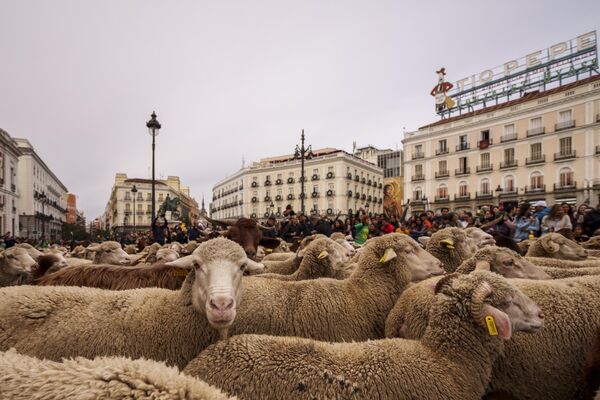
<point>243,161</point>
<point>354,148</point>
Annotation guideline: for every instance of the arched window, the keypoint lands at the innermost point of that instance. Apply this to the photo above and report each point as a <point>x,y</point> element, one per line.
<point>509,183</point>
<point>463,189</point>
<point>484,186</point>
<point>565,177</point>
<point>442,191</point>
<point>418,193</point>
<point>537,180</point>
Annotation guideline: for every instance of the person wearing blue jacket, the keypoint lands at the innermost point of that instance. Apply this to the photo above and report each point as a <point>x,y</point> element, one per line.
<point>525,222</point>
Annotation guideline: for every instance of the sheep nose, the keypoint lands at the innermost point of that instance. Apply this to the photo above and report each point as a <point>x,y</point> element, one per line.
<point>221,304</point>
<point>251,253</point>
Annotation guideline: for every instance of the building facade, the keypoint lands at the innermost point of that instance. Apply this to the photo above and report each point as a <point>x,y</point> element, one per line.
<point>42,201</point>
<point>124,211</point>
<point>542,146</point>
<point>9,190</point>
<point>335,182</point>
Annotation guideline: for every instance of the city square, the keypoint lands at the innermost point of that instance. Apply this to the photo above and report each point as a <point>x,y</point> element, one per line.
<point>319,200</point>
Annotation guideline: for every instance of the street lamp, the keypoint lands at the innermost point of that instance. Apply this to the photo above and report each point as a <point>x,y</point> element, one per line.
<point>43,198</point>
<point>271,207</point>
<point>302,153</point>
<point>134,191</point>
<point>153,127</point>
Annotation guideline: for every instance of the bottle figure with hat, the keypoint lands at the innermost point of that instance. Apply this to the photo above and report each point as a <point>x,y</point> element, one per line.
<point>440,92</point>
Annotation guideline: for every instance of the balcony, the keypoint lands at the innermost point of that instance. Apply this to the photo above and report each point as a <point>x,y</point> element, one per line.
<point>484,195</point>
<point>279,182</point>
<point>416,156</point>
<point>315,177</point>
<point>13,188</point>
<point>537,189</point>
<point>348,175</point>
<point>314,194</point>
<point>441,151</point>
<point>485,168</point>
<point>536,131</point>
<point>442,199</point>
<point>484,144</point>
<point>597,117</point>
<point>558,187</point>
<point>462,171</point>
<point>462,197</point>
<point>442,174</point>
<point>539,159</point>
<point>564,155</point>
<point>509,137</point>
<point>564,125</point>
<point>416,178</point>
<point>508,192</point>
<point>463,147</point>
<point>509,164</point>
<point>597,150</point>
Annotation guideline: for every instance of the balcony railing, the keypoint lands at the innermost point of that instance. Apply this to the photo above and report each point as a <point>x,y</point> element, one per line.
<point>509,164</point>
<point>13,188</point>
<point>537,189</point>
<point>416,156</point>
<point>466,196</point>
<point>564,125</point>
<point>462,171</point>
<point>507,192</point>
<point>442,174</point>
<point>539,159</point>
<point>463,147</point>
<point>441,151</point>
<point>416,178</point>
<point>483,168</point>
<point>485,143</point>
<point>509,137</point>
<point>442,199</point>
<point>558,187</point>
<point>536,131</point>
<point>564,155</point>
<point>484,195</point>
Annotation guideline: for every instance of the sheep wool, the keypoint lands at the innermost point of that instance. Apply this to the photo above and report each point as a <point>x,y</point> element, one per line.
<point>560,273</point>
<point>547,365</point>
<point>564,264</point>
<point>117,378</point>
<point>452,361</point>
<point>451,247</point>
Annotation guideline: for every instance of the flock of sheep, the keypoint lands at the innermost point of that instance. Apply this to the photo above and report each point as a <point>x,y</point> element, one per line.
<point>453,317</point>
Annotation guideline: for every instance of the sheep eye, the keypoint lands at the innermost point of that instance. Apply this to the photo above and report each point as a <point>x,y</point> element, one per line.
<point>243,267</point>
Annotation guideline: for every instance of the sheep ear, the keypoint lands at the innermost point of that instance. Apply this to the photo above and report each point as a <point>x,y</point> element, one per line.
<point>93,248</point>
<point>483,266</point>
<point>183,262</point>
<point>322,254</point>
<point>389,255</point>
<point>550,245</point>
<point>497,323</point>
<point>448,243</point>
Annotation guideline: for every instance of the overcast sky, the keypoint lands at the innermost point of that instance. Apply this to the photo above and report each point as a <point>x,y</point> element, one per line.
<point>232,79</point>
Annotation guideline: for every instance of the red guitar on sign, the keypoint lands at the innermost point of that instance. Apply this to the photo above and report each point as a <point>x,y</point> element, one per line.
<point>440,92</point>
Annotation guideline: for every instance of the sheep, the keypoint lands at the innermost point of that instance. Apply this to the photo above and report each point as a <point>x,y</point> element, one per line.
<point>547,365</point>
<point>554,245</point>
<point>130,249</point>
<point>159,324</point>
<point>454,245</point>
<point>593,243</point>
<point>560,273</point>
<point>453,360</point>
<point>564,264</point>
<point>118,378</point>
<point>592,372</point>
<point>278,256</point>
<point>166,255</point>
<point>289,264</point>
<point>109,252</point>
<point>337,310</point>
<point>47,264</point>
<point>190,247</point>
<point>33,252</point>
<point>323,257</point>
<point>15,266</point>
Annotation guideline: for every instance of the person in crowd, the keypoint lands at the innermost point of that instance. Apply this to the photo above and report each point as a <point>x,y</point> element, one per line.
<point>339,226</point>
<point>591,221</point>
<point>386,227</point>
<point>194,232</point>
<point>362,230</point>
<point>271,223</point>
<point>322,226</point>
<point>556,220</point>
<point>580,214</point>
<point>540,210</point>
<point>291,230</point>
<point>159,228</point>
<point>526,223</point>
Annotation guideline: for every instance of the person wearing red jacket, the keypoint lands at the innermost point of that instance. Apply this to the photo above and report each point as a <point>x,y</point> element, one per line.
<point>386,227</point>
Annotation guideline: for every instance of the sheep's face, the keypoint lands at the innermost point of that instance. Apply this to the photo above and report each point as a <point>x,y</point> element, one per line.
<point>480,237</point>
<point>419,262</point>
<point>220,265</point>
<point>33,252</point>
<point>558,246</point>
<point>350,250</point>
<point>15,264</point>
<point>511,265</point>
<point>166,255</point>
<point>60,261</point>
<point>110,253</point>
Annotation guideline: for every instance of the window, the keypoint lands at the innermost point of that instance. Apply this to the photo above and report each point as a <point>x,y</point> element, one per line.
<point>485,135</point>
<point>443,145</point>
<point>127,207</point>
<point>537,180</point>
<point>485,160</point>
<point>418,148</point>
<point>291,190</point>
<point>279,191</point>
<point>160,197</point>
<point>463,189</point>
<point>564,116</point>
<point>565,146</point>
<point>442,192</point>
<point>140,197</point>
<point>254,179</point>
<point>442,166</point>
<point>536,151</point>
<point>331,186</point>
<point>255,193</point>
<point>291,175</point>
<point>485,186</point>
<point>565,177</point>
<point>535,123</point>
<point>462,142</point>
<point>462,164</point>
<point>279,176</point>
<point>127,196</point>
<point>315,171</point>
<point>509,183</point>
<point>329,169</point>
<point>418,170</point>
<point>509,130</point>
<point>509,155</point>
<point>418,193</point>
<point>315,188</point>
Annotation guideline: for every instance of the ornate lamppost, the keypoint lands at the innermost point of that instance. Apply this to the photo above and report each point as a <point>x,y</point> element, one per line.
<point>302,153</point>
<point>153,127</point>
<point>134,191</point>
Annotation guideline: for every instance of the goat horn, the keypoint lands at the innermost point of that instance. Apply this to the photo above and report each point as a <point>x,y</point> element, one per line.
<point>223,222</point>
<point>479,295</point>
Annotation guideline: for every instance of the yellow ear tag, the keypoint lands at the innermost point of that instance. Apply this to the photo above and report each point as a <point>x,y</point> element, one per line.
<point>491,325</point>
<point>449,243</point>
<point>180,271</point>
<point>268,250</point>
<point>389,254</point>
<point>323,254</point>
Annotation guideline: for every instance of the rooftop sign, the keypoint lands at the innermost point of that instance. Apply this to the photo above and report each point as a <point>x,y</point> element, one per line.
<point>561,63</point>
